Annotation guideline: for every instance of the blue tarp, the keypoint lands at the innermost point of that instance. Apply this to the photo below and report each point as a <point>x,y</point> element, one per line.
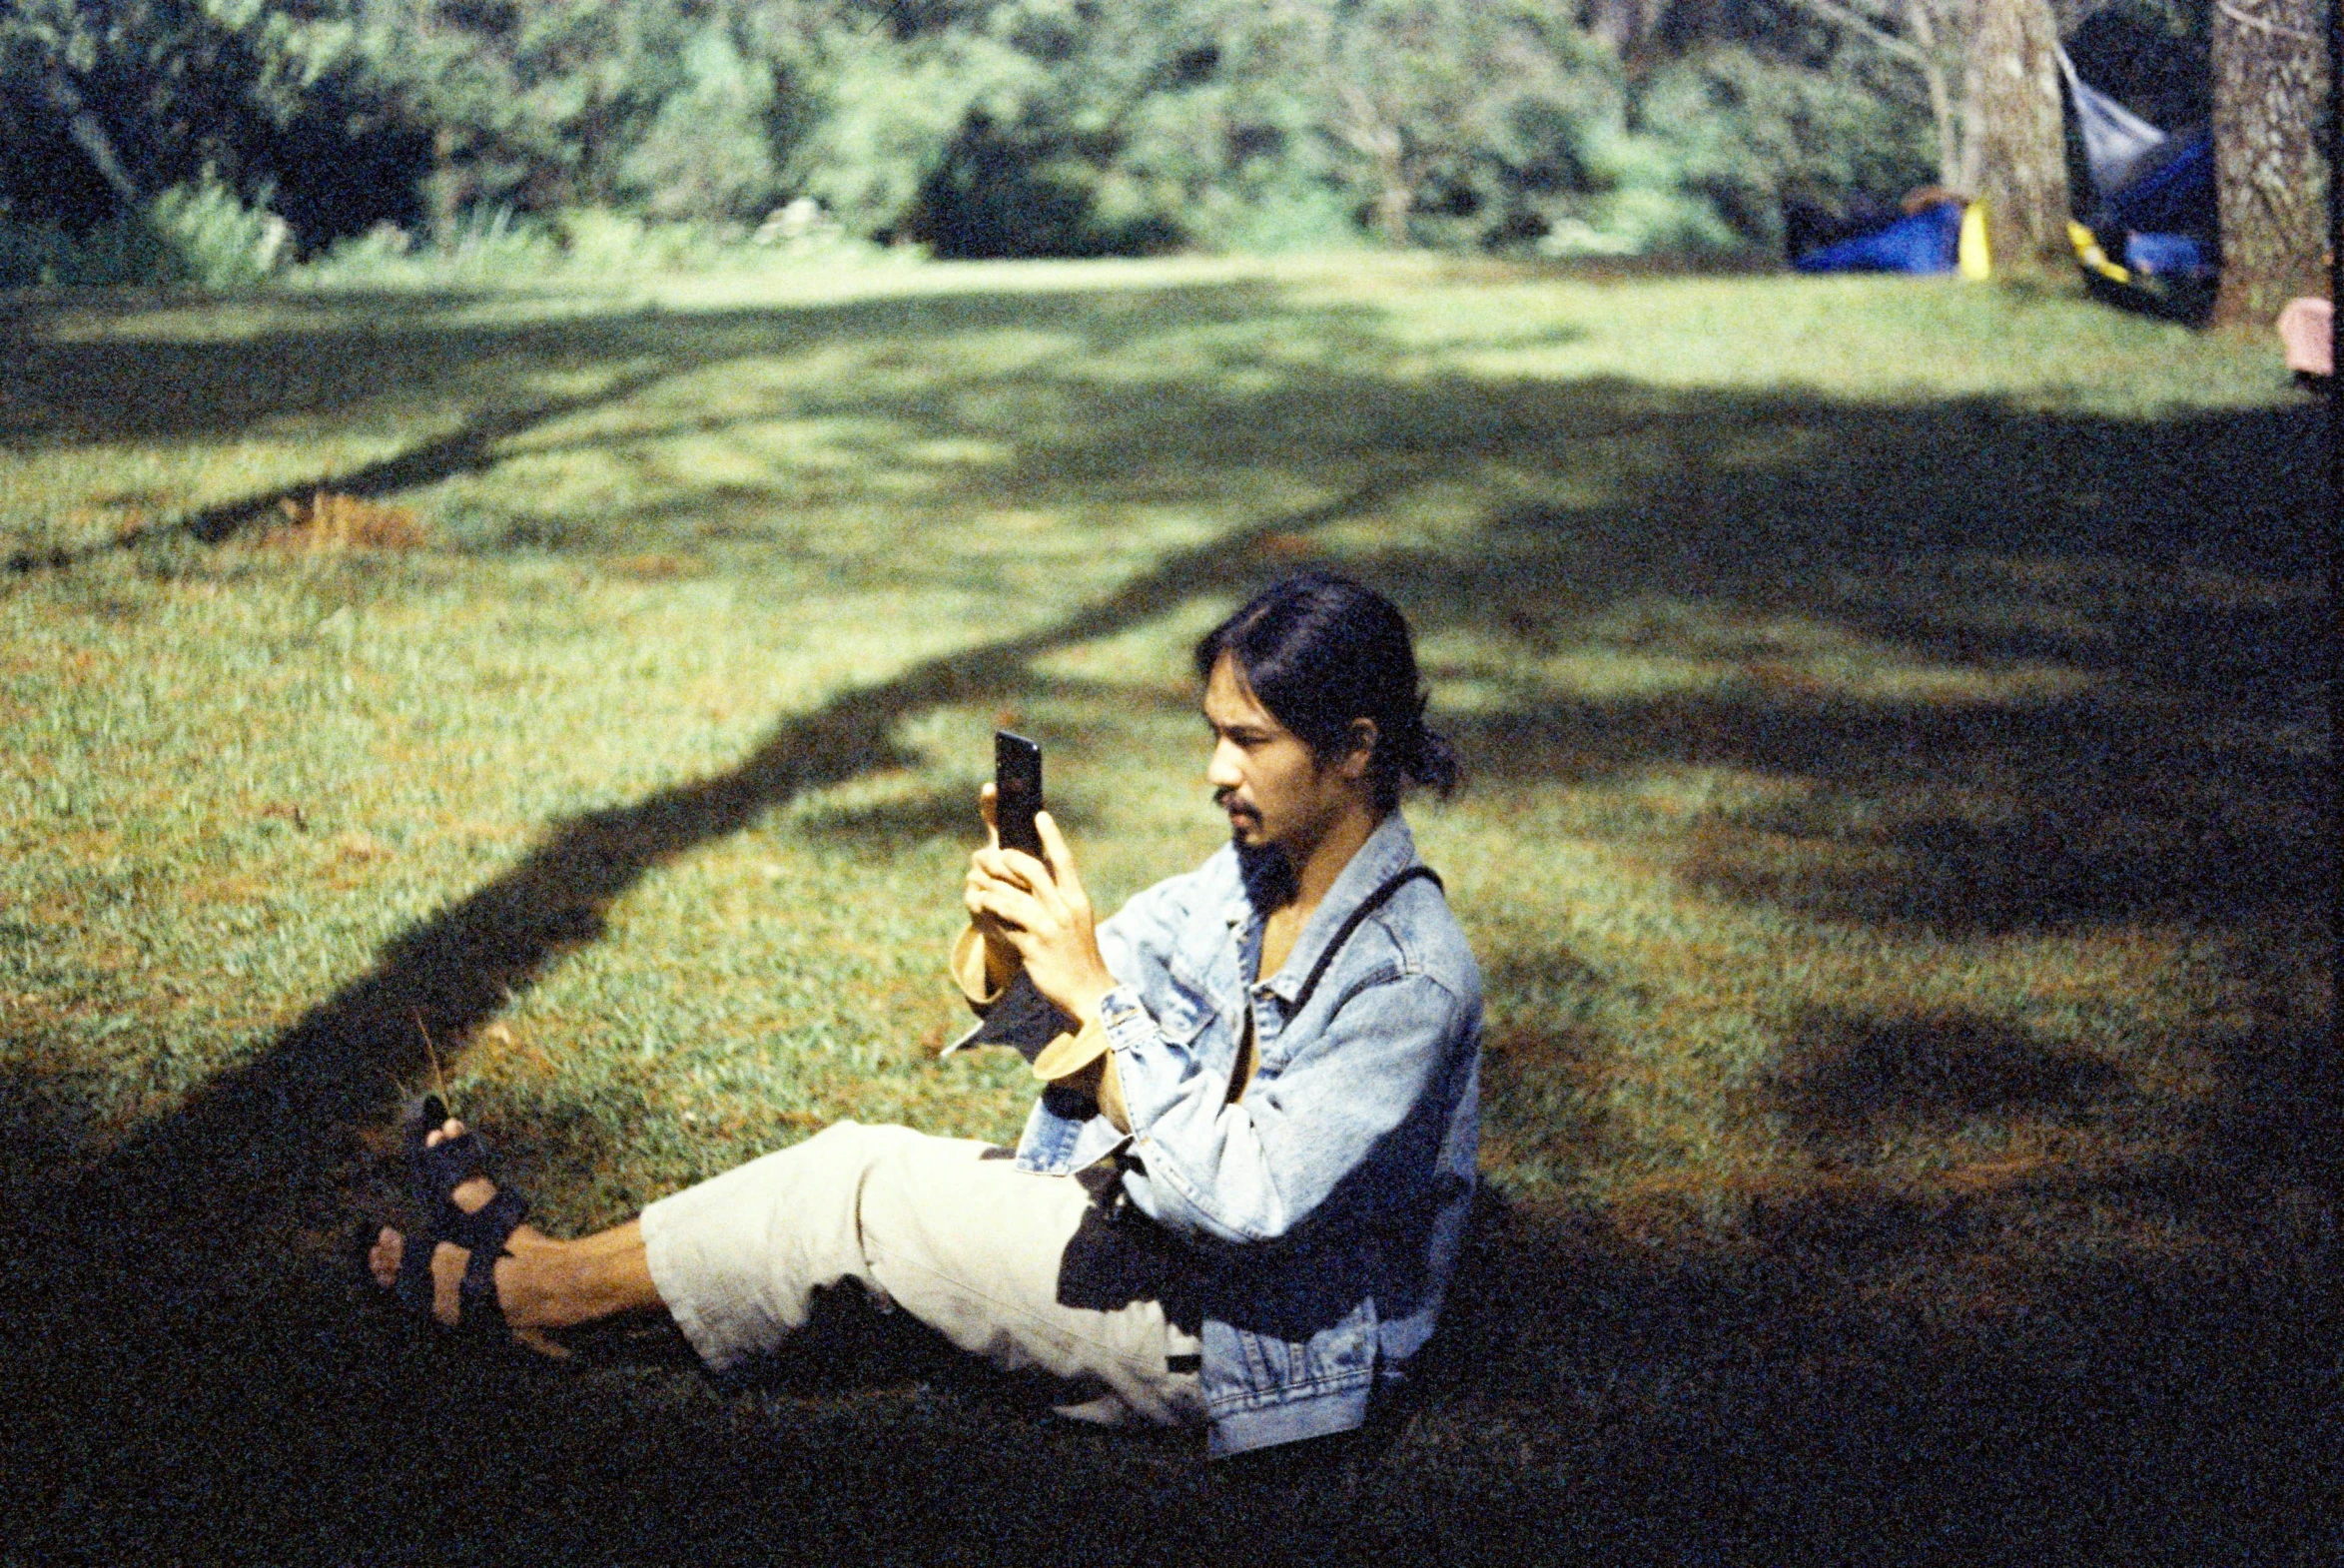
<point>1927,242</point>
<point>2165,256</point>
<point>2173,196</point>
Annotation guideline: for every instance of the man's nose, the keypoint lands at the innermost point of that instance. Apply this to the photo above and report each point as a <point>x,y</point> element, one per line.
<point>1223,772</point>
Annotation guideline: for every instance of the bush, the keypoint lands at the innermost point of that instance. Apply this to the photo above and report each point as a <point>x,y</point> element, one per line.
<point>213,239</point>
<point>709,150</point>
<point>485,246</point>
<point>1640,202</point>
<point>1286,219</point>
<point>34,256</point>
<point>201,233</point>
<point>589,244</point>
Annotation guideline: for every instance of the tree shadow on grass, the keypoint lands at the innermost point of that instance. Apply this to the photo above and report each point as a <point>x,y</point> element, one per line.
<point>2046,816</point>
<point>86,373</point>
<point>1851,1078</point>
<point>290,1114</point>
<point>1833,1379</point>
<point>362,359</point>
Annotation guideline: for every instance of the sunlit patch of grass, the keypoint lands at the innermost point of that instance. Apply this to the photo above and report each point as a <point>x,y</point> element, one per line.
<point>1942,336</point>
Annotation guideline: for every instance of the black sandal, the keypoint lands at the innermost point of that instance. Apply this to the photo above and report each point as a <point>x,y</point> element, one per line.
<point>435,1172</point>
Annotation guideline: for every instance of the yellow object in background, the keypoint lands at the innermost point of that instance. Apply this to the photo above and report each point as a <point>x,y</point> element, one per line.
<point>1971,257</point>
<point>2088,252</point>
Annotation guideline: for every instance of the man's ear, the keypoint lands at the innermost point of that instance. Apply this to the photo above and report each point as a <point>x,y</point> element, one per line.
<point>1362,752</point>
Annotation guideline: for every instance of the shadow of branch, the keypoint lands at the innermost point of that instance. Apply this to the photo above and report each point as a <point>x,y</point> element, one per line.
<point>286,1115</point>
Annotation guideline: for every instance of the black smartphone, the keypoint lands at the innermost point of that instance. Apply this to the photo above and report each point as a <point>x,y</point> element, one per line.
<point>1017,791</point>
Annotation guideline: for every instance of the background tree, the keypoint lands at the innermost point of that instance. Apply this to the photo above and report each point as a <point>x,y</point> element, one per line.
<point>106,107</point>
<point>2013,81</point>
<point>146,91</point>
<point>525,102</point>
<point>2271,76</point>
<point>1411,91</point>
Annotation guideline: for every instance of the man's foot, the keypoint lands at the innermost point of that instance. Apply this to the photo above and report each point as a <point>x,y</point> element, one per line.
<point>448,1260</point>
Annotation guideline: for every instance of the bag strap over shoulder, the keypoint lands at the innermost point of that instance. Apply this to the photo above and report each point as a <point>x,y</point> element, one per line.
<point>1368,905</point>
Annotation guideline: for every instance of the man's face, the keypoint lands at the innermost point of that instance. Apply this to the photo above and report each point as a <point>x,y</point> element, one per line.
<point>1264,776</point>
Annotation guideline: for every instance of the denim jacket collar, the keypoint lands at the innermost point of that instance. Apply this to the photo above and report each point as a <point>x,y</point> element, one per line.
<point>1389,849</point>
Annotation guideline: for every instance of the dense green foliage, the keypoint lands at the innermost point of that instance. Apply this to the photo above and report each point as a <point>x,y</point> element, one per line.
<point>974,127</point>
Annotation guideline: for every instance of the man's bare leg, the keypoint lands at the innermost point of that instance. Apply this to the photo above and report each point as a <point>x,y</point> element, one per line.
<point>544,1284</point>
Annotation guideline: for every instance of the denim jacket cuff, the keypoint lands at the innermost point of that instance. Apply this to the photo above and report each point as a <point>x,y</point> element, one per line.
<point>1134,1038</point>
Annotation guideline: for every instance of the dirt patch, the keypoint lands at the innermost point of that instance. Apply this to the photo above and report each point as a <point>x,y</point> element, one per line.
<point>332,521</point>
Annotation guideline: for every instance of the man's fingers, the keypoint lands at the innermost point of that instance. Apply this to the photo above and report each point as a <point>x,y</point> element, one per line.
<point>1061,859</point>
<point>989,807</point>
<point>1024,870</point>
<point>995,862</point>
<point>1015,909</point>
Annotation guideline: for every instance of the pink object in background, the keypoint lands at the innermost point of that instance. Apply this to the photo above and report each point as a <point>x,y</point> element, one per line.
<point>2307,329</point>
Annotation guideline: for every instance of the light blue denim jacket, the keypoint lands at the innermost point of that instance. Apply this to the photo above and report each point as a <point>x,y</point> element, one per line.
<point>1328,1204</point>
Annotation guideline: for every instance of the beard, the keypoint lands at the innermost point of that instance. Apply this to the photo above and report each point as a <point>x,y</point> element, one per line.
<point>1244,819</point>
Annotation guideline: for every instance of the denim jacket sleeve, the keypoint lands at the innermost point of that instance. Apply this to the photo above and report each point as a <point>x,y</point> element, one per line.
<point>1366,1075</point>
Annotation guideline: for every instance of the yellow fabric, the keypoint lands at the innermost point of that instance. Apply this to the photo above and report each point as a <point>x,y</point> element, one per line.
<point>968,967</point>
<point>1068,1055</point>
<point>1972,255</point>
<point>1065,1054</point>
<point>2088,252</point>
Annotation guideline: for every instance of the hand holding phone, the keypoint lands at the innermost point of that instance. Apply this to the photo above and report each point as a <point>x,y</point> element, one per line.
<point>1017,792</point>
<point>1039,927</point>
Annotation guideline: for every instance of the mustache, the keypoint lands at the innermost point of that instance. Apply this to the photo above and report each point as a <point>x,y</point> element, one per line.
<point>1227,793</point>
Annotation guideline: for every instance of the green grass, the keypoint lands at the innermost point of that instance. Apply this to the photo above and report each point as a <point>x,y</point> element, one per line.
<point>1897,847</point>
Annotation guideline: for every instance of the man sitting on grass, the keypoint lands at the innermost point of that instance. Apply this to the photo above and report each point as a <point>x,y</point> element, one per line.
<point>1240,1196</point>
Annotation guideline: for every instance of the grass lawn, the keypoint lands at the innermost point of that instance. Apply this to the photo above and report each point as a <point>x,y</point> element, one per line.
<point>1898,845</point>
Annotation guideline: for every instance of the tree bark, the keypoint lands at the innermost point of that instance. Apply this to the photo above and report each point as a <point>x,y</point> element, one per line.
<point>2020,135</point>
<point>2271,76</point>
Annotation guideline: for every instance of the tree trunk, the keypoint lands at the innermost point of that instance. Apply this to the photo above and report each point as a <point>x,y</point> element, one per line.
<point>2270,82</point>
<point>1627,24</point>
<point>2020,135</point>
<point>1952,169</point>
<point>1393,201</point>
<point>444,189</point>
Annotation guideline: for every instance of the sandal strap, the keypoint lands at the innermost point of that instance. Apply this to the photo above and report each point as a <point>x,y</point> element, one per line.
<point>485,1229</point>
<point>414,1288</point>
<point>480,1312</point>
<point>437,1169</point>
<point>480,1309</point>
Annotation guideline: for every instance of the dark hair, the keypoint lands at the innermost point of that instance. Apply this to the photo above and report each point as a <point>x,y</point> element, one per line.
<point>1322,652</point>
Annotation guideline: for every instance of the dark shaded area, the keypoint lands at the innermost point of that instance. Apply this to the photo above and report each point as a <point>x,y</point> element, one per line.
<point>999,192</point>
<point>2159,72</point>
<point>1854,1076</point>
<point>329,360</point>
<point>1836,1376</point>
<point>329,164</point>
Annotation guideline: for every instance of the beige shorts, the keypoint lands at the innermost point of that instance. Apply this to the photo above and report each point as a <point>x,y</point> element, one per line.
<point>1024,1271</point>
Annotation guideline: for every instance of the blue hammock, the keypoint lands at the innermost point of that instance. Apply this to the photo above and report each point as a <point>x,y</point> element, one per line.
<point>1927,242</point>
<point>2175,195</point>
